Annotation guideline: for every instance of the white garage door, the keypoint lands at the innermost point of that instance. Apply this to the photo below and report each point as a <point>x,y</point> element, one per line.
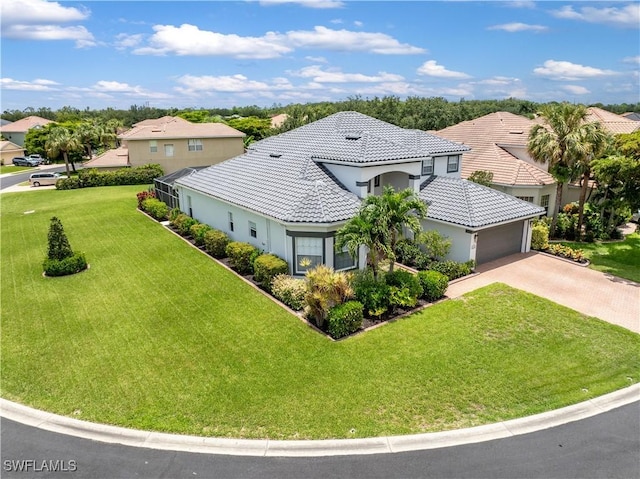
<point>494,243</point>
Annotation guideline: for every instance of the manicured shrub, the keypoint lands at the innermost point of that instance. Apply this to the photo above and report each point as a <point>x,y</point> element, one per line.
<point>403,279</point>
<point>155,208</point>
<point>437,246</point>
<point>63,267</point>
<point>240,256</point>
<point>291,291</point>
<point>143,195</point>
<point>88,178</point>
<point>198,232</point>
<point>72,183</point>
<point>540,237</point>
<point>452,269</point>
<point>266,267</point>
<point>326,288</point>
<point>434,284</point>
<point>344,319</point>
<point>61,260</point>
<point>173,214</point>
<point>215,243</point>
<point>183,224</point>
<point>406,252</point>
<point>567,252</point>
<point>372,293</point>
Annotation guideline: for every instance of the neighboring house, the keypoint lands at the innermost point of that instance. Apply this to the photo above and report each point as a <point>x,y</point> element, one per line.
<point>611,122</point>
<point>16,131</point>
<point>498,144</point>
<point>112,159</point>
<point>278,120</point>
<point>175,143</point>
<point>290,193</point>
<point>8,151</point>
<point>632,115</point>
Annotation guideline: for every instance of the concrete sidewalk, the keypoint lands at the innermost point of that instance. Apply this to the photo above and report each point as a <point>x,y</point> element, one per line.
<point>590,292</point>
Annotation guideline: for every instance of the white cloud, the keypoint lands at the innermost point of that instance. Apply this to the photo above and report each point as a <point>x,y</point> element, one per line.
<point>35,85</point>
<point>106,86</point>
<point>321,4</point>
<point>337,21</point>
<point>576,89</point>
<point>80,34</point>
<point>346,40</point>
<point>124,40</point>
<point>358,23</point>
<point>521,4</point>
<point>635,59</point>
<point>498,81</point>
<point>30,12</point>
<point>316,59</point>
<point>432,69</point>
<point>562,70</point>
<point>627,16</point>
<point>336,76</point>
<point>518,27</point>
<point>190,40</point>
<point>191,84</point>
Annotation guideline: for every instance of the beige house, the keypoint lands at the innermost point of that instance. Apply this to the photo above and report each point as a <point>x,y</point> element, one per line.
<point>112,159</point>
<point>175,143</point>
<point>610,122</point>
<point>16,131</point>
<point>498,144</point>
<point>8,151</point>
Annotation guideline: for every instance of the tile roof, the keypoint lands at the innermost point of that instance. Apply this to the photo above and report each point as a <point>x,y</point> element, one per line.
<point>115,157</point>
<point>282,177</point>
<point>491,137</point>
<point>6,145</point>
<point>471,205</point>
<point>614,124</point>
<point>25,124</point>
<point>176,127</point>
<point>171,178</point>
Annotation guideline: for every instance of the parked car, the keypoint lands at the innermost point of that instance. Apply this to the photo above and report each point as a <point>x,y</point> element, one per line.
<point>22,161</point>
<point>39,159</point>
<point>45,179</point>
<point>635,217</point>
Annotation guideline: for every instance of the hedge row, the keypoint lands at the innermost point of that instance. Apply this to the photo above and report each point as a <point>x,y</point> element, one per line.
<point>137,175</point>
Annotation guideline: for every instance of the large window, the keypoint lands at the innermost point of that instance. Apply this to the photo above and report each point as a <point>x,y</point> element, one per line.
<point>427,167</point>
<point>253,231</point>
<point>168,149</point>
<point>195,145</point>
<point>153,146</point>
<point>343,260</point>
<point>308,253</point>
<point>453,164</point>
<point>526,198</point>
<point>544,202</point>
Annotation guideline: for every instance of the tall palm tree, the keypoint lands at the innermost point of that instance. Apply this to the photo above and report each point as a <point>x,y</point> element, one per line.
<point>561,141</point>
<point>87,134</point>
<point>62,141</point>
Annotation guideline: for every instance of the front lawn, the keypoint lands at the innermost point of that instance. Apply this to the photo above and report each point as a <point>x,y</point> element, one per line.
<point>156,335</point>
<point>14,169</point>
<point>619,258</point>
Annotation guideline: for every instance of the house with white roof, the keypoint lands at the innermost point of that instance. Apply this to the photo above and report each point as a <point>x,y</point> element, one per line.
<point>290,193</point>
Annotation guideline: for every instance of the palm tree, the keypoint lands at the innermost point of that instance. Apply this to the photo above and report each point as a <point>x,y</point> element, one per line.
<point>62,141</point>
<point>562,141</point>
<point>87,134</point>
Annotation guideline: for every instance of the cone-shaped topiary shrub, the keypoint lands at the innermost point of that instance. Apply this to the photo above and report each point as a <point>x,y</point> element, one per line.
<point>61,260</point>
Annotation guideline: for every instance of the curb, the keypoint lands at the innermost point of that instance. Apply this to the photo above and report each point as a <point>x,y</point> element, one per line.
<point>329,447</point>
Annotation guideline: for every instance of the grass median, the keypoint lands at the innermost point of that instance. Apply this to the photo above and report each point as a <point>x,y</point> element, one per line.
<point>156,335</point>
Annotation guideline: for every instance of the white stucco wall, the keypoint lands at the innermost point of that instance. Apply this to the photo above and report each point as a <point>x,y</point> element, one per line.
<point>463,245</point>
<point>535,191</point>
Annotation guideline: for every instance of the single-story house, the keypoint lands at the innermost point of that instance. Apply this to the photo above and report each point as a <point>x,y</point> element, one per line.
<point>611,122</point>
<point>16,131</point>
<point>8,151</point>
<point>175,143</point>
<point>112,159</point>
<point>290,193</point>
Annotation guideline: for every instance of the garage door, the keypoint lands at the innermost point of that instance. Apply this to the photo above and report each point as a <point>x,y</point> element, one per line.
<point>494,243</point>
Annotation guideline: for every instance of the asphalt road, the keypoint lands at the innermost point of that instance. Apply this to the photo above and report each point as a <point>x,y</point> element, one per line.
<point>7,181</point>
<point>603,446</point>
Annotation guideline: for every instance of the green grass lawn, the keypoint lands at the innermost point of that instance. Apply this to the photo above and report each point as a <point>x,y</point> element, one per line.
<point>619,258</point>
<point>156,335</point>
<point>14,169</point>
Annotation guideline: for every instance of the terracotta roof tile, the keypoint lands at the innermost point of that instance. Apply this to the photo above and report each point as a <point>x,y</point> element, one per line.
<point>176,127</point>
<point>25,124</point>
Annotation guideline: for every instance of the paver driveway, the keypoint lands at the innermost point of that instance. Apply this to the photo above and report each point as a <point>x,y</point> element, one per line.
<point>607,297</point>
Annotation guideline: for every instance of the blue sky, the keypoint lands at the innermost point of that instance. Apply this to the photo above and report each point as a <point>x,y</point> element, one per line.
<point>100,54</point>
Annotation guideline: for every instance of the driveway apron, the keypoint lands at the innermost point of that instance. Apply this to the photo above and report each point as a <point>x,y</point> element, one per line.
<point>590,292</point>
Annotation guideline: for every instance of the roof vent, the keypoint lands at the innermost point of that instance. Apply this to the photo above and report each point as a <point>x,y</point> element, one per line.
<point>353,136</point>
<point>516,132</point>
<point>275,155</point>
<point>156,130</point>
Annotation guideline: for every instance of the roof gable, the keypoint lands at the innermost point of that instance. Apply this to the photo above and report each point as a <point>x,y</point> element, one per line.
<point>25,124</point>
<point>175,127</point>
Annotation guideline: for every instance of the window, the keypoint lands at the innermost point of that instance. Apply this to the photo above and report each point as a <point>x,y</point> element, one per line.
<point>308,253</point>
<point>189,206</point>
<point>153,146</point>
<point>544,202</point>
<point>526,198</point>
<point>195,145</point>
<point>252,229</point>
<point>230,221</point>
<point>376,181</point>
<point>168,149</point>
<point>453,164</point>
<point>427,167</point>
<point>343,260</point>
<point>369,186</point>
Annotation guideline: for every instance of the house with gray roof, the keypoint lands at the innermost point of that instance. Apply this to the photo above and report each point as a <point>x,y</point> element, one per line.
<point>290,193</point>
